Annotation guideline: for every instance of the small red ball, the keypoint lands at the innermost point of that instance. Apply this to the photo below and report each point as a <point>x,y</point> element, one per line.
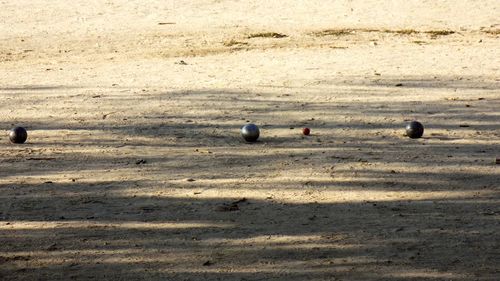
<point>306,131</point>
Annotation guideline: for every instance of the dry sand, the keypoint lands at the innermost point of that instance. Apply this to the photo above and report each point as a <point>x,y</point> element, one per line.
<point>134,168</point>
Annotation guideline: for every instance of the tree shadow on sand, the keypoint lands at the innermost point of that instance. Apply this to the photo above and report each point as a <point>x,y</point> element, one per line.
<point>357,200</point>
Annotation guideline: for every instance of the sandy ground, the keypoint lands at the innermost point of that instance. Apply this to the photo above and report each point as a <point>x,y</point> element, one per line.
<point>134,168</point>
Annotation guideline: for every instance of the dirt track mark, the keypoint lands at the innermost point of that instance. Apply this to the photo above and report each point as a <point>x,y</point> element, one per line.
<point>165,45</point>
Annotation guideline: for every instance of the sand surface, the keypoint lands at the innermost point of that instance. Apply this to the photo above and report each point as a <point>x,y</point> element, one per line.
<point>134,168</point>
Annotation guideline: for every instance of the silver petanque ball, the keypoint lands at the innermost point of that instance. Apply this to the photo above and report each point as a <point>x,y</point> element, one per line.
<point>18,135</point>
<point>250,132</point>
<point>414,129</point>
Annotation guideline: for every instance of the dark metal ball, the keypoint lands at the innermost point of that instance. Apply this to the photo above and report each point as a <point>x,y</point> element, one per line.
<point>18,135</point>
<point>414,129</point>
<point>250,132</point>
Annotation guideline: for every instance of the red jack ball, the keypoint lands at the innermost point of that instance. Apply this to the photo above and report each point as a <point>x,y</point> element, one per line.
<point>306,131</point>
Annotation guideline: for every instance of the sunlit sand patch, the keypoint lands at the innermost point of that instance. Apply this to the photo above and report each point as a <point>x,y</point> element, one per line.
<point>37,225</point>
<point>287,267</point>
<point>303,242</point>
<point>425,273</point>
<point>300,195</point>
<point>176,262</point>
